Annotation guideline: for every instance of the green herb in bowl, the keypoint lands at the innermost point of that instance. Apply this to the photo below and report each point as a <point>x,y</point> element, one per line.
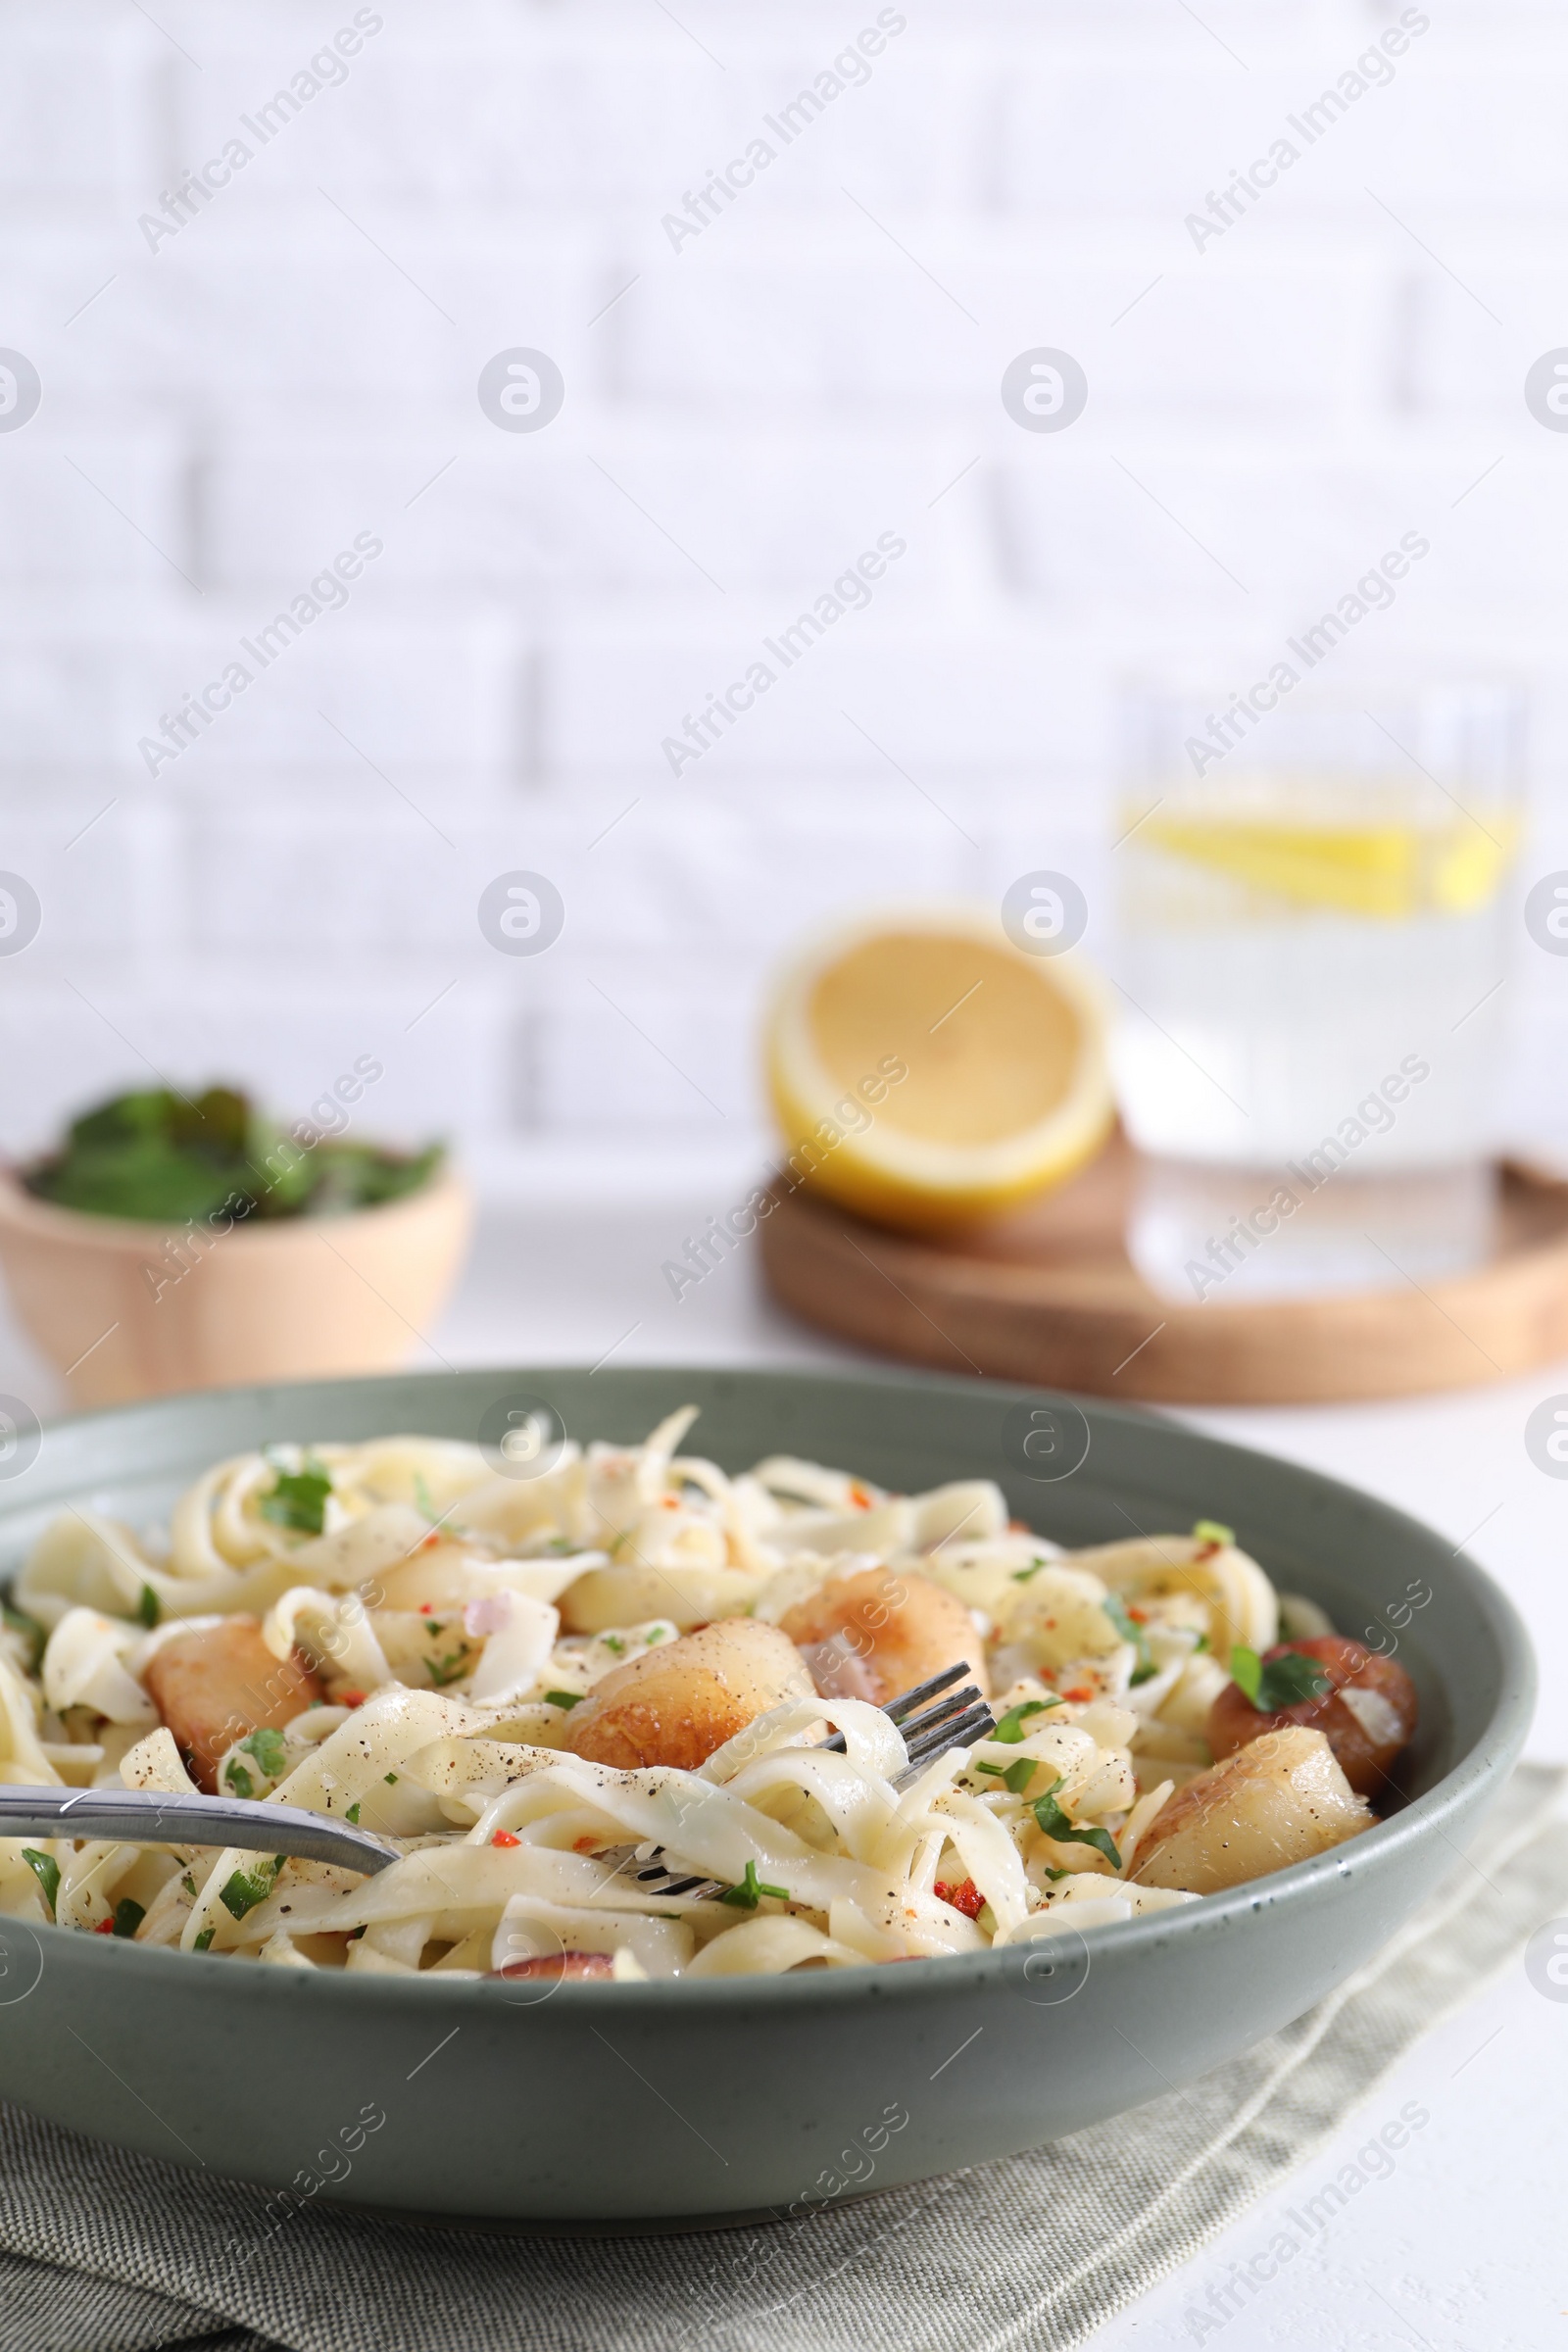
<point>156,1157</point>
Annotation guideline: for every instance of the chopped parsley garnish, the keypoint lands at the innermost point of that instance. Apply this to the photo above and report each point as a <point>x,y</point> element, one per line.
<point>391,1779</point>
<point>750,1889</point>
<point>1021,1576</point>
<point>1285,1682</point>
<point>246,1888</point>
<point>1201,1645</point>
<point>1009,1731</point>
<point>995,1770</point>
<point>17,1621</point>
<point>46,1870</point>
<point>189,1884</point>
<point>1209,1531</point>
<point>561,1544</point>
<point>1017,1777</point>
<point>421,1496</point>
<point>297,1500</point>
<point>1054,1874</point>
<point>203,1940</point>
<point>658,1635</point>
<point>564,1698</point>
<point>449,1669</point>
<point>267,1748</point>
<point>128,1915</point>
<point>1115,1608</point>
<point>353,1814</point>
<point>148,1607</point>
<point>614,1645</point>
<point>236,1777</point>
<point>1056,1824</point>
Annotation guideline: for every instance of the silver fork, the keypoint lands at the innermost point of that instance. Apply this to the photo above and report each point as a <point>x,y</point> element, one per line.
<point>958,1720</point>
<point>158,1817</point>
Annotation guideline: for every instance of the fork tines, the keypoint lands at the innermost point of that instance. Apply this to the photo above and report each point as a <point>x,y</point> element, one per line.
<point>657,1879</point>
<point>947,1710</point>
<point>899,1710</point>
<point>958,1720</point>
<point>955,1731</point>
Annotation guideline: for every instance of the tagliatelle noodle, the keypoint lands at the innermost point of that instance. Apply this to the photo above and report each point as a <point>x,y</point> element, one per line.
<point>331,1627</point>
<point>85,1664</point>
<point>989,1855</point>
<point>766,1948</point>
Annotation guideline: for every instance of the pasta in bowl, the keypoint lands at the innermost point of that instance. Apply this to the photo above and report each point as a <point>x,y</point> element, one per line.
<point>527,2073</point>
<point>623,1714</point>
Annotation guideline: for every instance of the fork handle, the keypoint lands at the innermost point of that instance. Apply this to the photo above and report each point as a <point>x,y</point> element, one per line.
<point>156,1816</point>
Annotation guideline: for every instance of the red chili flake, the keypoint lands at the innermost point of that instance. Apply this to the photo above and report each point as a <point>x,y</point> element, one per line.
<point>425,1606</point>
<point>1019,1527</point>
<point>504,1837</point>
<point>860,1497</point>
<point>351,1699</point>
<point>1138,1616</point>
<point>103,1927</point>
<point>965,1897</point>
<point>1080,1692</point>
<point>430,1539</point>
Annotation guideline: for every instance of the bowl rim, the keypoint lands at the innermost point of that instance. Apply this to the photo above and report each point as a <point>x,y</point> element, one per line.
<point>1480,1771</point>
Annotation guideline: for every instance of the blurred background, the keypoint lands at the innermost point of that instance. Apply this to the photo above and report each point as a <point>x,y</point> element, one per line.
<point>246,375</point>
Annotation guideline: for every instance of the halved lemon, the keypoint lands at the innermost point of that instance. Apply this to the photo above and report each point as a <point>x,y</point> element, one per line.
<point>926,1072</point>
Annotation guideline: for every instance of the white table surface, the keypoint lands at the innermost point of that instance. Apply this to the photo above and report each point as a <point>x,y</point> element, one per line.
<point>1462,2248</point>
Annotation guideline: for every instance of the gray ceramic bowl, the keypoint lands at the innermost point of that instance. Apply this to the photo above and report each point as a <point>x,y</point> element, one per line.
<point>599,2103</point>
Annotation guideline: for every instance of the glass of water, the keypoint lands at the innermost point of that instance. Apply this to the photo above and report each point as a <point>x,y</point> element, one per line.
<point>1312,950</point>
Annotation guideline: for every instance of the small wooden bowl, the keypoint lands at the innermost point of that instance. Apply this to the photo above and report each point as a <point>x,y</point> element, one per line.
<point>128,1309</point>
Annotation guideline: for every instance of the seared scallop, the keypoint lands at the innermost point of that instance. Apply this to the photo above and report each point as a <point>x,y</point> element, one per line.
<point>1280,1800</point>
<point>876,1632</point>
<point>218,1685</point>
<point>677,1703</point>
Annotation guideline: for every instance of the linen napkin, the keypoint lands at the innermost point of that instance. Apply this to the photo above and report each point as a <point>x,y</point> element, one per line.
<point>106,2252</point>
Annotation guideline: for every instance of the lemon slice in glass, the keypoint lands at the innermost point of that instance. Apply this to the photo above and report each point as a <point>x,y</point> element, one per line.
<point>926,1072</point>
<point>1389,871</point>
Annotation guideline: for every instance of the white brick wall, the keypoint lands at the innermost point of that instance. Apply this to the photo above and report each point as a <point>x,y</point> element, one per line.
<point>744,415</point>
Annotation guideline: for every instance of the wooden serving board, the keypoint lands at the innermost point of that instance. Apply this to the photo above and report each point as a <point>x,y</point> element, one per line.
<point>1049,1297</point>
